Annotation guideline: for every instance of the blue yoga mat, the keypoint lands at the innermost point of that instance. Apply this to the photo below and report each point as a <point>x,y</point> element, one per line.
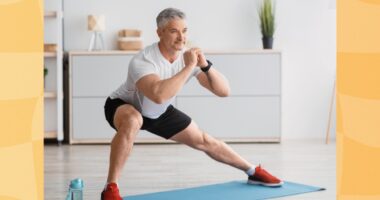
<point>228,191</point>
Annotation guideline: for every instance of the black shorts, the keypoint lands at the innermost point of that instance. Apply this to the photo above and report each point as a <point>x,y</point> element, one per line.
<point>171,122</point>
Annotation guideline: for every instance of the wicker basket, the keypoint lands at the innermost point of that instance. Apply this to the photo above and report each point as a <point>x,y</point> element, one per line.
<point>129,43</point>
<point>129,33</point>
<point>50,47</point>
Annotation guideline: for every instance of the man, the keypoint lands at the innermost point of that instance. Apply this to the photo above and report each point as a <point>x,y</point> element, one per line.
<point>156,74</point>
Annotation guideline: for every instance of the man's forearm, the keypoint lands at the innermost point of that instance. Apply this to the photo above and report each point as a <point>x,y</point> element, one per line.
<point>218,83</point>
<point>168,88</point>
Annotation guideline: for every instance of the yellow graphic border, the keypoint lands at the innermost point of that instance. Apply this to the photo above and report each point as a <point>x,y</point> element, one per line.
<point>21,99</point>
<point>358,99</point>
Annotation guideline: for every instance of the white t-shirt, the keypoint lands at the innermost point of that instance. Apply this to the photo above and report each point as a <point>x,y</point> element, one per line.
<point>149,61</point>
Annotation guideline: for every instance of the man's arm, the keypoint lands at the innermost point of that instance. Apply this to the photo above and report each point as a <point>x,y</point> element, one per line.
<point>215,82</point>
<point>212,79</point>
<point>159,90</point>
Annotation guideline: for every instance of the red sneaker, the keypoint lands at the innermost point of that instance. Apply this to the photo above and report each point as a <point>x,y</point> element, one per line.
<point>262,177</point>
<point>111,192</point>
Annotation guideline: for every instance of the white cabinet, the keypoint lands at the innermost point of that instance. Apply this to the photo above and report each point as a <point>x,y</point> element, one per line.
<point>247,73</point>
<point>53,83</point>
<point>93,76</point>
<point>237,118</point>
<point>98,76</point>
<point>251,113</point>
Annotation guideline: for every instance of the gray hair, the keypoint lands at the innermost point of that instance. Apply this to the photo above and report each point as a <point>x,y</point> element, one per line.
<point>168,14</point>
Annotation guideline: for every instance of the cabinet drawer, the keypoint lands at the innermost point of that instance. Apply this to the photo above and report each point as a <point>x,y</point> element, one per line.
<point>248,74</point>
<point>89,123</point>
<point>235,117</point>
<point>95,76</point>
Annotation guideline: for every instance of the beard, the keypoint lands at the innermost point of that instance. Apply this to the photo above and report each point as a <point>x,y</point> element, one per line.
<point>179,45</point>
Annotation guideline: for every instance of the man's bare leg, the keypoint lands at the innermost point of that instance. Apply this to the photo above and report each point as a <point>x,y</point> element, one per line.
<point>216,149</point>
<point>127,121</point>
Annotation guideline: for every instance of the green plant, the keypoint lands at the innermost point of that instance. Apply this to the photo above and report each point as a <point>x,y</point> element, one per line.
<point>267,19</point>
<point>45,72</point>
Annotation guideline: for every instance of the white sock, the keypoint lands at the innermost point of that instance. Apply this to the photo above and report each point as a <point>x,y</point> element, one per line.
<point>105,186</point>
<point>251,170</point>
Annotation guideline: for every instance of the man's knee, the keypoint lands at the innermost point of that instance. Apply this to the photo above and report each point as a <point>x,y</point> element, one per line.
<point>207,143</point>
<point>130,123</point>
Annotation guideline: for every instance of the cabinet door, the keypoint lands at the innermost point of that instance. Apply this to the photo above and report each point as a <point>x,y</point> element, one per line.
<point>89,123</point>
<point>95,76</point>
<point>235,118</point>
<point>248,74</point>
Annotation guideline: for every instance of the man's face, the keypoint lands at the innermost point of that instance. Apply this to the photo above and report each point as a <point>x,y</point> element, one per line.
<point>173,34</point>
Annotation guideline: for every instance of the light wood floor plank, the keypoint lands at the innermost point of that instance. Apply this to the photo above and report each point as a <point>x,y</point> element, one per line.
<point>153,168</point>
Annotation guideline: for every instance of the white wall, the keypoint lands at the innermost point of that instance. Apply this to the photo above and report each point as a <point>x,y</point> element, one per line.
<point>305,34</point>
<point>213,24</point>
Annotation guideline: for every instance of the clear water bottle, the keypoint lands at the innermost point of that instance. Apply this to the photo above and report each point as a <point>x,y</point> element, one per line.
<point>75,190</point>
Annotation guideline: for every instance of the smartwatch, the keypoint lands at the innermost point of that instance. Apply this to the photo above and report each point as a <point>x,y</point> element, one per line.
<point>205,69</point>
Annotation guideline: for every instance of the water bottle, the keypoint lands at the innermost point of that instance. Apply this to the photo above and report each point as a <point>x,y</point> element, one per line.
<point>75,190</point>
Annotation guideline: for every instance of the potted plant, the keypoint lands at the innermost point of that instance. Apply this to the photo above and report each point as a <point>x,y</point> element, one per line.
<point>45,74</point>
<point>267,23</point>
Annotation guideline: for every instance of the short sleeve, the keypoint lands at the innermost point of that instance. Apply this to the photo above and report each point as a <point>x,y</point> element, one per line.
<point>139,68</point>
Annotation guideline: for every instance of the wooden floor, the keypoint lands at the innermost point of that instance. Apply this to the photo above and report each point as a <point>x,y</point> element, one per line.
<point>153,168</point>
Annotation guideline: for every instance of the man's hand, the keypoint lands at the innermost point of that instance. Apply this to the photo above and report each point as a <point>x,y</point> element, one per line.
<point>191,57</point>
<point>201,59</point>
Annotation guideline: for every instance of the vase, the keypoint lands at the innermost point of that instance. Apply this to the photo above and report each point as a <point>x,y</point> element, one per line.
<point>267,42</point>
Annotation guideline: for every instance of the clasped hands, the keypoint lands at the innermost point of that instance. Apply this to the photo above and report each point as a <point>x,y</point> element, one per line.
<point>194,57</point>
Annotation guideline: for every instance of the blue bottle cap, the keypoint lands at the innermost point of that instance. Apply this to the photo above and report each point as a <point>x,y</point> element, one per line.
<point>76,183</point>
